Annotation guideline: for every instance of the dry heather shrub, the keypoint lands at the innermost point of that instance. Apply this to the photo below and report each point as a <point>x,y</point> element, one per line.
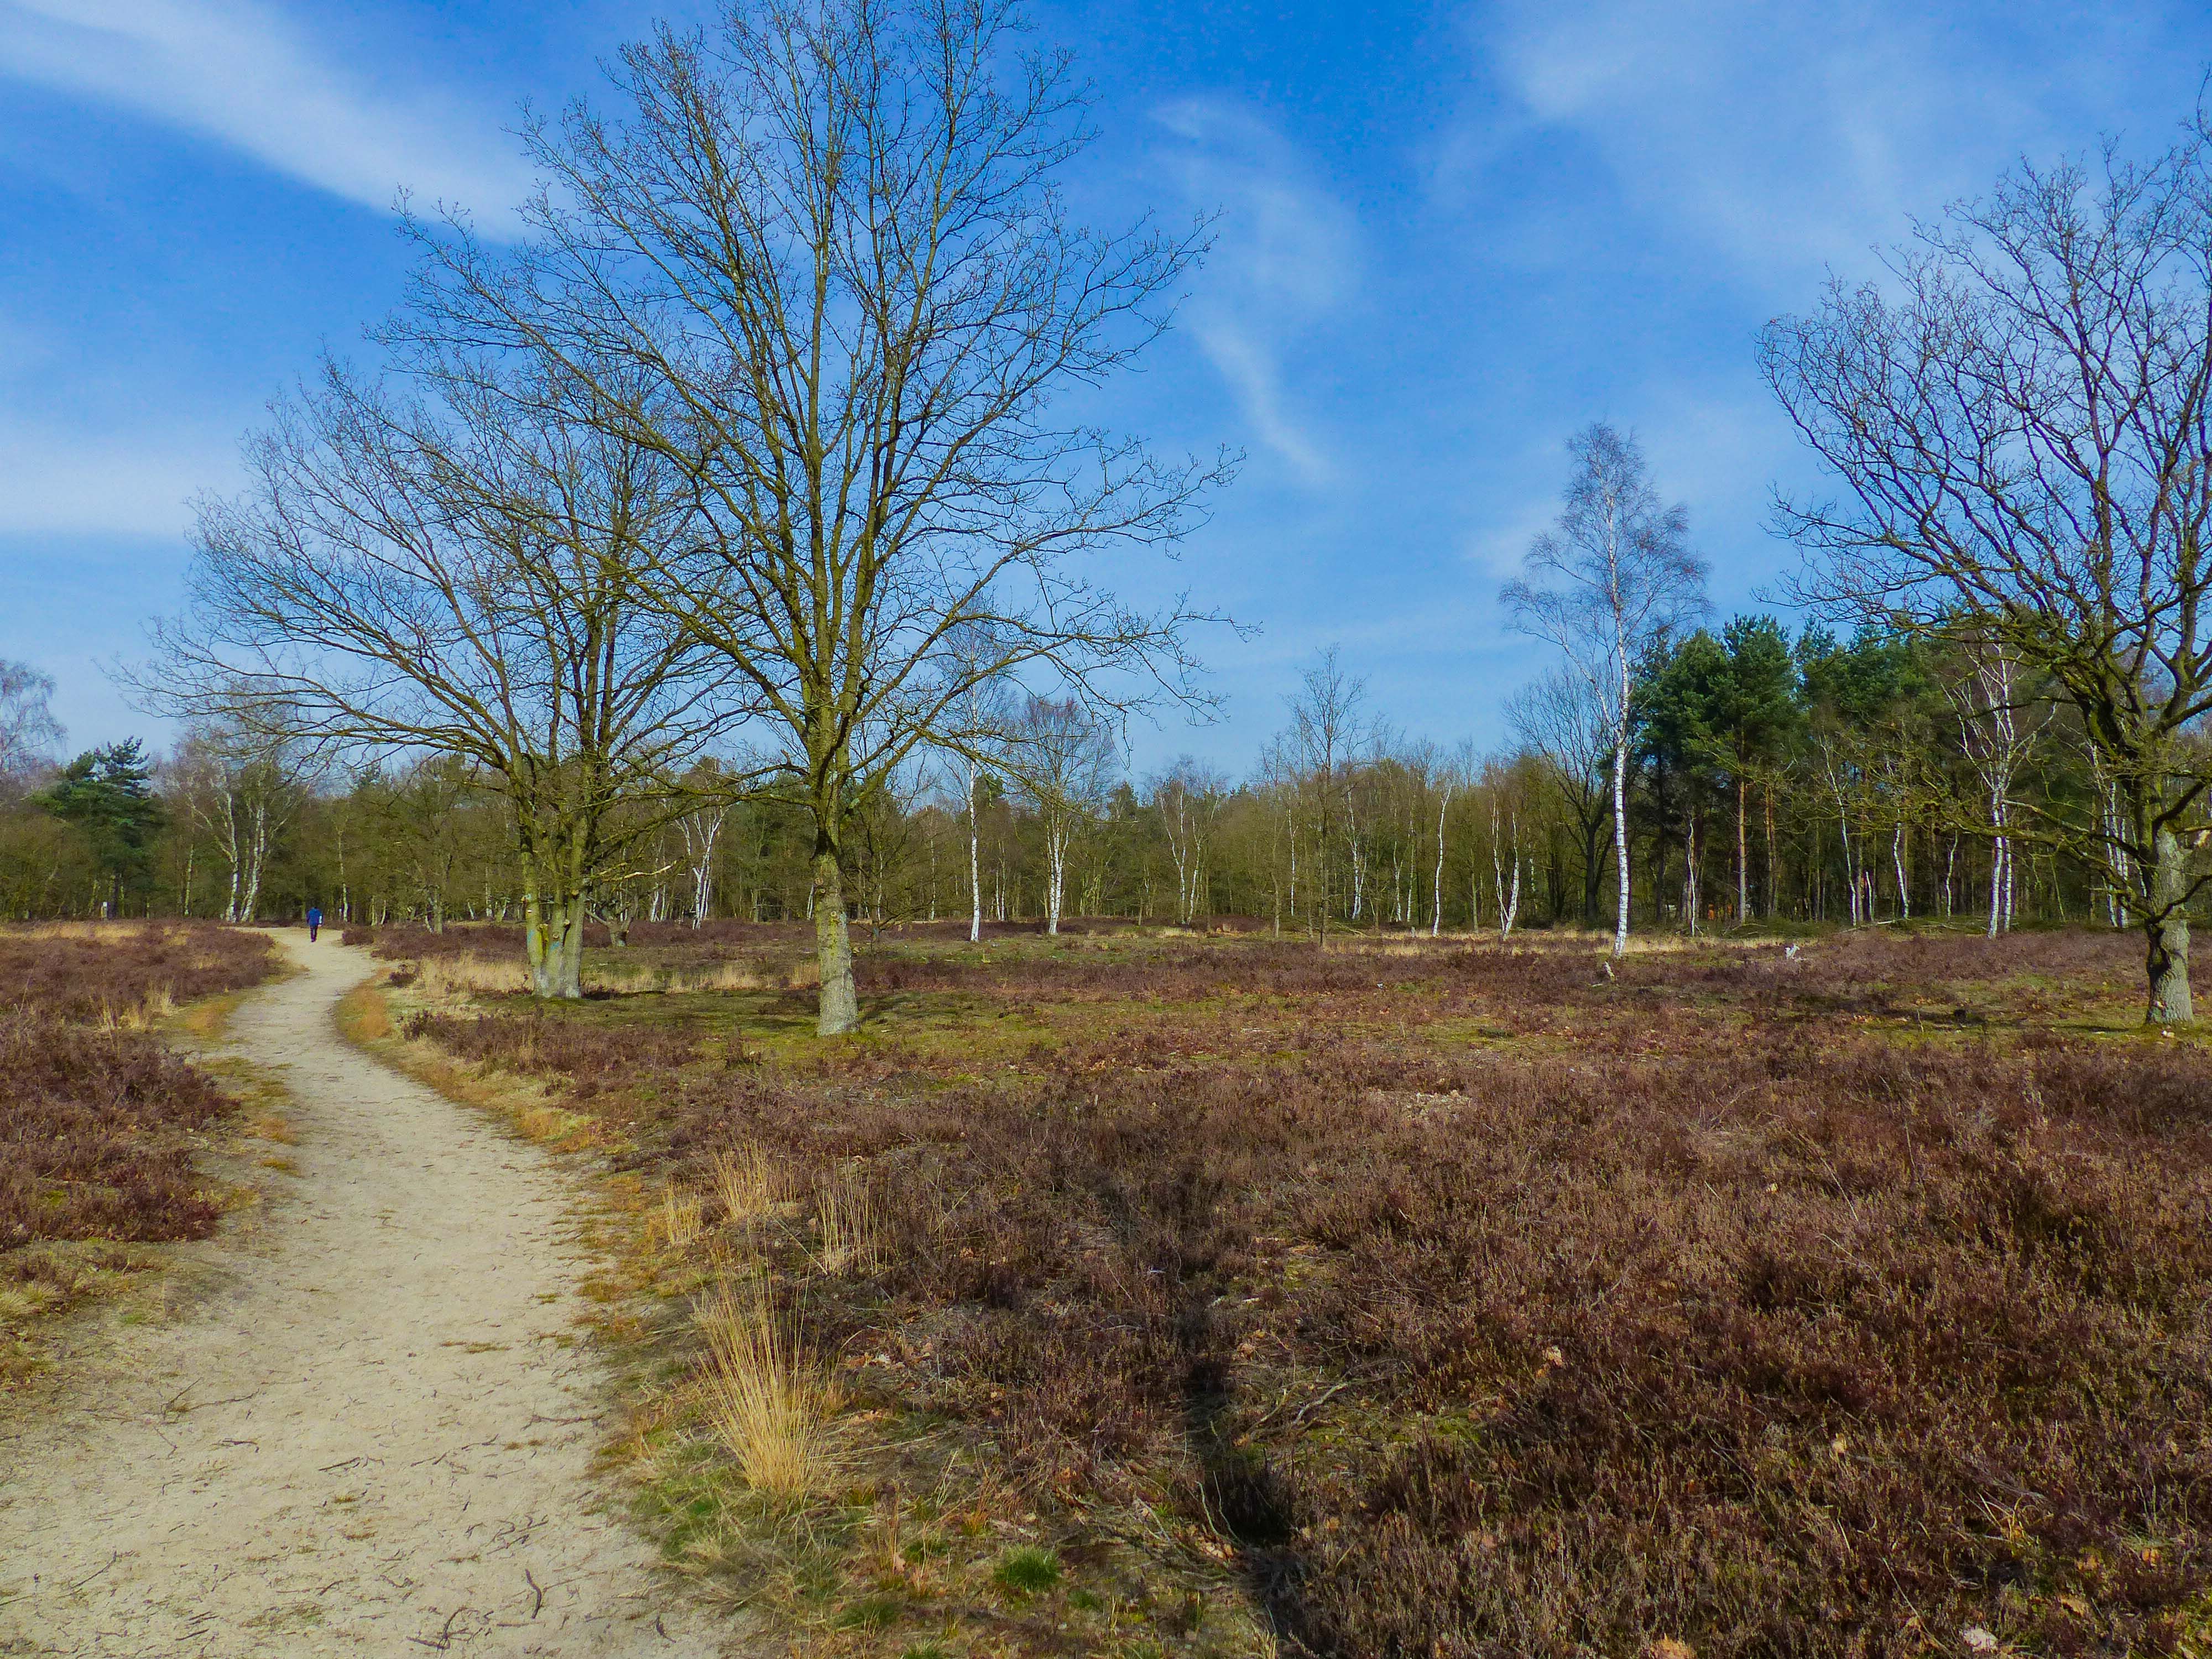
<point>594,1056</point>
<point>766,1404</point>
<point>125,976</point>
<point>94,1135</point>
<point>747,1181</point>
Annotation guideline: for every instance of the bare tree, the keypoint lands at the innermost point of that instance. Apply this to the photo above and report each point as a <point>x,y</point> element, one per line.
<point>1448,777</point>
<point>1509,898</point>
<point>1561,718</point>
<point>1614,574</point>
<point>2024,438</point>
<point>975,725</point>
<point>29,734</point>
<point>1186,799</point>
<point>1327,726</point>
<point>1998,725</point>
<point>457,574</point>
<point>823,249</point>
<point>1066,761</point>
<point>711,795</point>
<point>240,785</point>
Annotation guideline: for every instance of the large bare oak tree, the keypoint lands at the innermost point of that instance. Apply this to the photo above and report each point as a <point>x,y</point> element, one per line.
<point>819,264</point>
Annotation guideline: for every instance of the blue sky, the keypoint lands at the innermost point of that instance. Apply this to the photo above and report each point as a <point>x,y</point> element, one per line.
<point>1449,235</point>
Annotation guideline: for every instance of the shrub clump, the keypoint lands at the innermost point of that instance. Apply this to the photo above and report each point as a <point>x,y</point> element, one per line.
<point>91,1135</point>
<point>97,1119</point>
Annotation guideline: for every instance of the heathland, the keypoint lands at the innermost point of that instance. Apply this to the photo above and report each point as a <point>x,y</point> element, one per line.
<point>1129,1293</point>
<point>101,1124</point>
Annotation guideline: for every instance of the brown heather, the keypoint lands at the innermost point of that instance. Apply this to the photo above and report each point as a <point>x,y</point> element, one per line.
<point>1474,1303</point>
<point>87,971</point>
<point>97,1123</point>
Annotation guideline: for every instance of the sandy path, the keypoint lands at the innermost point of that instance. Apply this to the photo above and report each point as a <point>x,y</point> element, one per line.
<point>365,1434</point>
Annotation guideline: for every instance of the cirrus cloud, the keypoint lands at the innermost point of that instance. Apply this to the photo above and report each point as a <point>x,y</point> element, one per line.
<point>242,73</point>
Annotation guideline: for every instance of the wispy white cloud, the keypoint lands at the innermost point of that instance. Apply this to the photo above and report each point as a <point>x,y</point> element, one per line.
<point>1495,547</point>
<point>244,73</point>
<point>1285,255</point>
<point>116,484</point>
<point>1785,136</point>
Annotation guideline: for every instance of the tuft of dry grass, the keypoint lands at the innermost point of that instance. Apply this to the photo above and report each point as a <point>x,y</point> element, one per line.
<point>680,1219</point>
<point>155,1006</point>
<point>469,975</point>
<point>849,1226</point>
<point>363,1015</point>
<point>766,1404</point>
<point>747,1182</point>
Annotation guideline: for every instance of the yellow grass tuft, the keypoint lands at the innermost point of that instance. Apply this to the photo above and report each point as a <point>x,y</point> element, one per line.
<point>747,1182</point>
<point>160,1004</point>
<point>680,1220</point>
<point>363,1015</point>
<point>763,1398</point>
<point>720,976</point>
<point>470,975</point>
<point>850,1229</point>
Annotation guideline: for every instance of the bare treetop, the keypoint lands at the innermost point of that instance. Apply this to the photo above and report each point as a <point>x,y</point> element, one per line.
<point>28,731</point>
<point>2021,423</point>
<point>820,265</point>
<point>1615,571</point>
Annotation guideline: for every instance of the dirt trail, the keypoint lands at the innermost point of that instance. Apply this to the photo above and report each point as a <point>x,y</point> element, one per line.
<point>367,1434</point>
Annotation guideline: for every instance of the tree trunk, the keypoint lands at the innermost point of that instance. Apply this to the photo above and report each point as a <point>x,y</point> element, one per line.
<point>1437,916</point>
<point>1620,833</point>
<point>1774,866</point>
<point>2000,851</point>
<point>1742,852</point>
<point>1691,898</point>
<point>975,881</point>
<point>2167,929</point>
<point>833,944</point>
<point>553,942</point>
<point>1056,878</point>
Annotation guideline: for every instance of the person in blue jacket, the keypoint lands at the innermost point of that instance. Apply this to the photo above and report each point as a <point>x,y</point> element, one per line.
<point>314,922</point>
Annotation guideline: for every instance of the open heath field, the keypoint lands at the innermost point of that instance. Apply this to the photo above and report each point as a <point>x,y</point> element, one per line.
<point>1128,1294</point>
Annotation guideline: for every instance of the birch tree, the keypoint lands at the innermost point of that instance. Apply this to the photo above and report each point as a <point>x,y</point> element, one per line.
<point>240,788</point>
<point>28,732</point>
<point>1613,576</point>
<point>1066,761</point>
<point>1328,726</point>
<point>1997,727</point>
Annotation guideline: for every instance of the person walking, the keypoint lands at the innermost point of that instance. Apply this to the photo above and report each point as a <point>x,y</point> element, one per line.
<point>314,922</point>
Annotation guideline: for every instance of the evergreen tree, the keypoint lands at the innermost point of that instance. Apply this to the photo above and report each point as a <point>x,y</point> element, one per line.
<point>108,794</point>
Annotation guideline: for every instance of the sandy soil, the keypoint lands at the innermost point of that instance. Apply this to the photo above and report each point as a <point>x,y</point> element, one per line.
<point>369,1431</point>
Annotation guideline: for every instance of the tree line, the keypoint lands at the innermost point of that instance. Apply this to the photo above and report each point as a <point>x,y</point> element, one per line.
<point>739,539</point>
<point>1771,779</point>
